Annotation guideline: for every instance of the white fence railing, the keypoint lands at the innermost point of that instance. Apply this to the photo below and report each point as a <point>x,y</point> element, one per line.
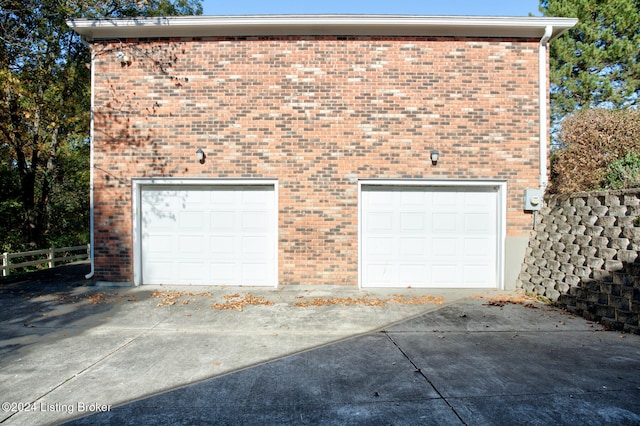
<point>50,256</point>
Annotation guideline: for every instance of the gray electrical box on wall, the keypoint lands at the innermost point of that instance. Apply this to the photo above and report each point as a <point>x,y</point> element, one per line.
<point>532,199</point>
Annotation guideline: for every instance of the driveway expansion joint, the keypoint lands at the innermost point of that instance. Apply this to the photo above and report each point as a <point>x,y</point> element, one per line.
<point>418,370</point>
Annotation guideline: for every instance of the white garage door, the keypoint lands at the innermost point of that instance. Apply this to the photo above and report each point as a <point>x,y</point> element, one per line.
<point>440,237</point>
<point>208,235</point>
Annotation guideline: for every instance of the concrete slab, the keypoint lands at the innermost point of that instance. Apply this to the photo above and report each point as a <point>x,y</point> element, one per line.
<point>478,314</point>
<point>486,364</point>
<point>307,355</point>
<point>589,409</point>
<point>364,380</point>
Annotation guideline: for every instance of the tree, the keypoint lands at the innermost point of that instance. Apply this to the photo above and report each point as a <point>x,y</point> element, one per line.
<point>597,63</point>
<point>44,114</point>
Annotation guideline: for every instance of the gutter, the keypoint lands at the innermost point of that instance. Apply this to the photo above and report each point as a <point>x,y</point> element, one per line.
<point>91,208</point>
<point>339,25</point>
<point>542,65</point>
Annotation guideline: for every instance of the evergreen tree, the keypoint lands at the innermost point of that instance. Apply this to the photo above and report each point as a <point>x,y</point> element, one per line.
<point>596,63</point>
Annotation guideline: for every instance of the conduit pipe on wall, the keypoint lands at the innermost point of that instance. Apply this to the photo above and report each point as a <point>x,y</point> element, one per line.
<point>91,210</point>
<point>542,68</point>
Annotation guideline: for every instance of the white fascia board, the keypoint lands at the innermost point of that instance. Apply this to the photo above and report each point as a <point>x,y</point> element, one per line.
<point>300,25</point>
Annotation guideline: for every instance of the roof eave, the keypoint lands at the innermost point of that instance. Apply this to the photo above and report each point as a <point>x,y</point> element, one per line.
<point>299,25</point>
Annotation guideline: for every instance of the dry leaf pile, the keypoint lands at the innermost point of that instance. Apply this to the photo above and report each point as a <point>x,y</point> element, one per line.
<point>500,301</point>
<point>236,301</point>
<point>366,301</point>
<point>171,297</point>
<point>105,298</point>
<point>416,300</point>
<point>344,301</point>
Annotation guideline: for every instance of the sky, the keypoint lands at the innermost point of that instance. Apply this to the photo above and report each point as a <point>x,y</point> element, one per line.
<point>399,7</point>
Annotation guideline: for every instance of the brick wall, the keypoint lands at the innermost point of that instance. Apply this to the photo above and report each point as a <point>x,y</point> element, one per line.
<point>584,255</point>
<point>317,113</point>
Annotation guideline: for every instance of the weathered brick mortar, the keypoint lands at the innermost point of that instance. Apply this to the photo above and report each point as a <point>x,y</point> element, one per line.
<point>595,267</point>
<point>317,114</point>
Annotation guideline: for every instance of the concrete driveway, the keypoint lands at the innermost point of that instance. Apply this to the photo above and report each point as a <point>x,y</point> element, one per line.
<point>303,355</point>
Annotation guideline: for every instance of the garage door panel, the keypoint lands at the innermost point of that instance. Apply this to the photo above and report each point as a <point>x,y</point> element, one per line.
<point>475,199</point>
<point>161,244</point>
<point>191,244</point>
<point>256,272</point>
<point>410,222</point>
<point>478,223</point>
<point>156,271</point>
<point>476,246</point>
<point>380,247</point>
<point>160,220</point>
<point>254,247</point>
<point>413,273</point>
<point>429,236</point>
<point>256,196</point>
<point>445,274</point>
<point>222,235</point>
<point>444,199</point>
<point>411,247</point>
<point>380,221</point>
<point>477,275</point>
<point>221,197</point>
<point>192,220</point>
<point>223,246</point>
<point>380,273</point>
<point>223,272</point>
<point>223,221</point>
<point>379,199</point>
<point>409,199</point>
<point>444,223</point>
<point>194,198</point>
<point>192,273</point>
<point>254,220</point>
<point>445,247</point>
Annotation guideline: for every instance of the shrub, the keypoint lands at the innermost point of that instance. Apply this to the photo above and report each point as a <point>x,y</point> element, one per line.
<point>623,173</point>
<point>592,140</point>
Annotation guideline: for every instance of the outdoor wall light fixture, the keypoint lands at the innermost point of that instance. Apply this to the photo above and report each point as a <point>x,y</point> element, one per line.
<point>201,156</point>
<point>435,156</point>
<point>122,57</point>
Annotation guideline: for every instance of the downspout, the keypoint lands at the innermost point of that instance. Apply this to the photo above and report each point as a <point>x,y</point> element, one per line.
<point>91,210</point>
<point>542,68</point>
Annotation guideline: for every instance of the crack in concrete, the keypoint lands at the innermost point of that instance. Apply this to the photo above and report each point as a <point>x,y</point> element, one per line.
<point>419,371</point>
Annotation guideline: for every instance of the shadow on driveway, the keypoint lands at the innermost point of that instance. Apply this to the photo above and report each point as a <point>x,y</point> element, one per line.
<point>166,357</point>
<point>469,363</point>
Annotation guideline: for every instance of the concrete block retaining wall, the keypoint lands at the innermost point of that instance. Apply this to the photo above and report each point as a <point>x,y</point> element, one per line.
<point>584,255</point>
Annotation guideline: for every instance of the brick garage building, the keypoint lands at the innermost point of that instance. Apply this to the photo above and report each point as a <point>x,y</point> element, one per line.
<point>275,150</point>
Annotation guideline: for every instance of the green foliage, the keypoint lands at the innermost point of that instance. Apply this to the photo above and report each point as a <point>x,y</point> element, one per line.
<point>44,116</point>
<point>596,63</point>
<point>594,139</point>
<point>623,173</point>
<point>133,8</point>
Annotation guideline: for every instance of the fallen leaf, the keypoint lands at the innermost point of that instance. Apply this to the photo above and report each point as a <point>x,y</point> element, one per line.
<point>235,301</point>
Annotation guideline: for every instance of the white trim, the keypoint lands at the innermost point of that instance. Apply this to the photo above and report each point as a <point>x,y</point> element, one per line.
<point>91,168</point>
<point>265,25</point>
<point>542,68</point>
<point>139,183</point>
<point>499,185</point>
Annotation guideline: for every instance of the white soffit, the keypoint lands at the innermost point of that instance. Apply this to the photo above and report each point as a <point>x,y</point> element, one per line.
<point>335,25</point>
